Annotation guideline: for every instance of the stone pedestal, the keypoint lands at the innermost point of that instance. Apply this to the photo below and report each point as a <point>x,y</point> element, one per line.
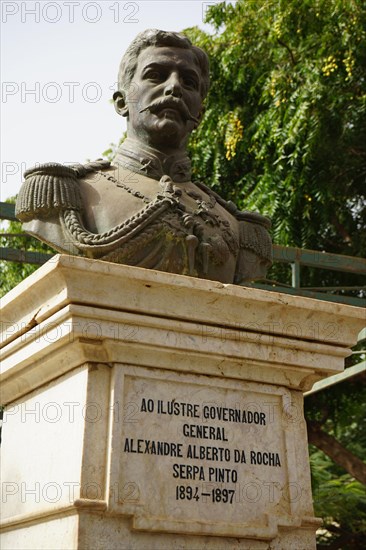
<point>151,410</point>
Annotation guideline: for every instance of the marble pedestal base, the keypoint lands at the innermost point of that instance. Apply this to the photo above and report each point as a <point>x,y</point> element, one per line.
<point>151,410</point>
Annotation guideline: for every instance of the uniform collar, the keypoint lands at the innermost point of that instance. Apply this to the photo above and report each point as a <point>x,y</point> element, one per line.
<point>145,160</point>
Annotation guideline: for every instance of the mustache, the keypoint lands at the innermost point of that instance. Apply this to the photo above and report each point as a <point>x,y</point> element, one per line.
<point>174,103</point>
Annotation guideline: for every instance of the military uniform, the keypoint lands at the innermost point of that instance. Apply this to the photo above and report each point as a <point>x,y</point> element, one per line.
<point>143,210</point>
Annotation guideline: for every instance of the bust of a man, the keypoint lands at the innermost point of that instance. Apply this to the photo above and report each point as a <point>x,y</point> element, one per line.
<point>142,209</point>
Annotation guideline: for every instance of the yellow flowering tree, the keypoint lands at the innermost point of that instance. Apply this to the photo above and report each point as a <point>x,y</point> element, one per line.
<point>284,133</point>
<point>285,125</point>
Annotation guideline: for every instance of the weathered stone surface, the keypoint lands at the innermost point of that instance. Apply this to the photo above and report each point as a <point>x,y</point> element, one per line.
<point>219,456</point>
<point>157,410</point>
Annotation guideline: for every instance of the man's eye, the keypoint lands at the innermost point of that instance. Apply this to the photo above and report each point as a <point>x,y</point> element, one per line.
<point>154,75</point>
<point>191,82</point>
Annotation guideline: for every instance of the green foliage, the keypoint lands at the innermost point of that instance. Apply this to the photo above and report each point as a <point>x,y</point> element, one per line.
<point>112,149</point>
<point>342,412</point>
<point>284,131</point>
<point>338,498</point>
<point>13,236</point>
<point>333,492</point>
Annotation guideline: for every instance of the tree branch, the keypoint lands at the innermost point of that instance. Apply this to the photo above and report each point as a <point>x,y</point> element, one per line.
<point>341,456</point>
<point>288,49</point>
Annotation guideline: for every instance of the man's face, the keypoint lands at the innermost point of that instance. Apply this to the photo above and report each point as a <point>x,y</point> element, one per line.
<point>164,101</point>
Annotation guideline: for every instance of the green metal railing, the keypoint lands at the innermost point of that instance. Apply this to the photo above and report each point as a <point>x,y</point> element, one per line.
<point>296,257</point>
<point>299,257</point>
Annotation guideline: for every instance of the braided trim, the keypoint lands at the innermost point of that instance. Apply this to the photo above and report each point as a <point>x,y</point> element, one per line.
<point>126,254</point>
<point>103,242</point>
<point>82,170</point>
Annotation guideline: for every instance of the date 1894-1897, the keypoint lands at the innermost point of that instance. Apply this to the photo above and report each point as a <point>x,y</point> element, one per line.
<point>226,496</point>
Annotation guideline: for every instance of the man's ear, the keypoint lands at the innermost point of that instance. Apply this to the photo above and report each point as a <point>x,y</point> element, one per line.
<point>120,104</point>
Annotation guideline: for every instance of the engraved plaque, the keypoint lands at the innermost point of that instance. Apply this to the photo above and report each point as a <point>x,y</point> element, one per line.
<point>200,454</point>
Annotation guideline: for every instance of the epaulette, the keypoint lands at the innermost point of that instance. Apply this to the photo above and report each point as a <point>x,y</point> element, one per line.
<point>254,217</point>
<point>51,188</point>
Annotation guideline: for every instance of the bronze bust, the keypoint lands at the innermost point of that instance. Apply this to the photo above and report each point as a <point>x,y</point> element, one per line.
<point>142,209</point>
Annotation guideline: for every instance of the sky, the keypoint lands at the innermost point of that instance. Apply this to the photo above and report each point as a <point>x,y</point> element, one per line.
<point>59,64</point>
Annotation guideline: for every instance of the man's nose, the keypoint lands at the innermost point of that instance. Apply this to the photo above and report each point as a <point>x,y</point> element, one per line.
<point>173,86</point>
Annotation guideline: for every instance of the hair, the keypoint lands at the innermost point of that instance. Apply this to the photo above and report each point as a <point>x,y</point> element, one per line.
<point>155,37</point>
